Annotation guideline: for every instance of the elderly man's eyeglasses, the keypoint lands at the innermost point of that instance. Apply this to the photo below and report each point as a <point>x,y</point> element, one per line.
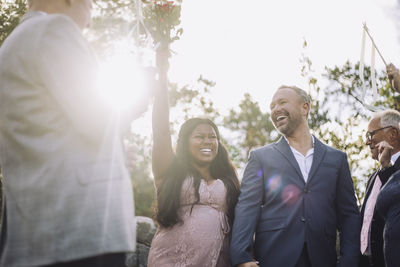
<point>371,134</point>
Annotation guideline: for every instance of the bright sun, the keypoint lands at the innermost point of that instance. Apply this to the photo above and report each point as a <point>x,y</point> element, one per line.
<point>121,80</point>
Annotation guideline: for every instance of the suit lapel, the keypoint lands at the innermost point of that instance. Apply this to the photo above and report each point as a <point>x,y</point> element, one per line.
<point>397,164</point>
<point>372,178</point>
<point>283,147</point>
<point>318,156</point>
<point>371,181</point>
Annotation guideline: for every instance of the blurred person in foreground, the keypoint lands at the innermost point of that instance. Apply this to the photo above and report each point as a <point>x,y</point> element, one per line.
<point>295,194</point>
<point>382,136</point>
<point>68,193</point>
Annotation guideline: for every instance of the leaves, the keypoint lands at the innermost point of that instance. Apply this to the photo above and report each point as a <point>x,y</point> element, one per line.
<point>162,19</point>
<point>10,15</point>
<point>252,127</point>
<point>338,116</point>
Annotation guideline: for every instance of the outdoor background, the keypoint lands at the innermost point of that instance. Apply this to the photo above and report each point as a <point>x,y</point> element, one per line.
<point>229,56</point>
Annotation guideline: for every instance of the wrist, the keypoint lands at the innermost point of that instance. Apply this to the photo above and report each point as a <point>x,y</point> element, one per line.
<point>385,166</point>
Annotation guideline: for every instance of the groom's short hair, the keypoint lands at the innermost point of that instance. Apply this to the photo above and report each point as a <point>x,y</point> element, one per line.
<point>300,92</point>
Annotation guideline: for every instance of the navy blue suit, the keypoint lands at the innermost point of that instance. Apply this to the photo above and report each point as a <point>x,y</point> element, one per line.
<point>377,223</point>
<point>388,205</point>
<point>284,212</point>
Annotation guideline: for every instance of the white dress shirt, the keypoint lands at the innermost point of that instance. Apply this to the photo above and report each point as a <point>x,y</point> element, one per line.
<point>304,162</point>
<point>394,157</point>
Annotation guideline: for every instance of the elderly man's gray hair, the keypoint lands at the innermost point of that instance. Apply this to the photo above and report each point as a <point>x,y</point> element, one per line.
<point>389,117</point>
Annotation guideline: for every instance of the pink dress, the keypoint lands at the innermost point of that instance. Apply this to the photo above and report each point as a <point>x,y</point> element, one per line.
<point>202,239</point>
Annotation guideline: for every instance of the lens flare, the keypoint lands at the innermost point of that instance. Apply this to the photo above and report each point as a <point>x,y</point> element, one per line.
<point>290,194</point>
<point>273,184</point>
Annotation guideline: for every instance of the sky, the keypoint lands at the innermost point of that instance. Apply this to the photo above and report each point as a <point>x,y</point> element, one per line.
<point>255,46</point>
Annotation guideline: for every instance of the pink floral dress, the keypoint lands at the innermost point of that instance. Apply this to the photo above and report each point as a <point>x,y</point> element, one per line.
<point>202,239</point>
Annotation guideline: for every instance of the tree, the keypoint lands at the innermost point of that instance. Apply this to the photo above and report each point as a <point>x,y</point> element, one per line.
<point>339,117</point>
<point>138,151</point>
<point>10,15</point>
<point>252,127</point>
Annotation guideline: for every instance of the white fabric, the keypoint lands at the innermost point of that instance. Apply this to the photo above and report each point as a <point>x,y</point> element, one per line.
<point>68,192</point>
<point>394,157</point>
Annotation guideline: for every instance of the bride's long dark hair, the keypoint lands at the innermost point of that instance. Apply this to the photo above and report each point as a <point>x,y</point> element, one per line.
<point>168,195</point>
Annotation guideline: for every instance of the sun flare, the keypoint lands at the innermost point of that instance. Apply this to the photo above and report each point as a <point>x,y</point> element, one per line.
<point>122,80</point>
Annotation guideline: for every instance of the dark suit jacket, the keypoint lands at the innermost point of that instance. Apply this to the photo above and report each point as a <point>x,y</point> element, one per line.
<point>388,205</point>
<point>284,212</point>
<point>377,223</point>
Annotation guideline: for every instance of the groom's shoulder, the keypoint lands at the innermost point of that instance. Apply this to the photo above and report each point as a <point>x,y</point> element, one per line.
<point>331,150</point>
<point>264,149</point>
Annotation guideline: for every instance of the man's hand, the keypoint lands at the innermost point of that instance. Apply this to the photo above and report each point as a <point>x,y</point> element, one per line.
<point>249,264</point>
<point>394,76</point>
<point>385,152</point>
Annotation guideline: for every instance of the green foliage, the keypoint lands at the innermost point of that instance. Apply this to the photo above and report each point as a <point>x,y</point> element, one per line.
<point>10,15</point>
<point>339,117</point>
<point>112,21</point>
<point>162,18</point>
<point>138,151</point>
<point>317,116</point>
<point>253,127</point>
<point>346,83</point>
<point>194,100</point>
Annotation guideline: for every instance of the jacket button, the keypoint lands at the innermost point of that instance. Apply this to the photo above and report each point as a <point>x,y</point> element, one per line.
<point>305,190</point>
<point>303,219</point>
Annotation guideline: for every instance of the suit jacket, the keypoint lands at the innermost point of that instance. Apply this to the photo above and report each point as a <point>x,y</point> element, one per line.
<point>378,223</point>
<point>388,206</point>
<point>68,192</point>
<point>284,212</point>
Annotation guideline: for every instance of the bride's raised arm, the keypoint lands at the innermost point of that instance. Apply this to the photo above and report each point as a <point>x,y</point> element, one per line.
<point>162,155</point>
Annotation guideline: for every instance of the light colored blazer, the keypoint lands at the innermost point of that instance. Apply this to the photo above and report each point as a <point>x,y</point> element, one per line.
<point>68,193</point>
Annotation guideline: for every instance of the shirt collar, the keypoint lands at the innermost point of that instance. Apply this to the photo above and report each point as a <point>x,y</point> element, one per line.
<point>312,137</point>
<point>394,157</point>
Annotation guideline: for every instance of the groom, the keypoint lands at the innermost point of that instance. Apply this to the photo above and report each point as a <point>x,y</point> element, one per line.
<point>68,193</point>
<point>295,194</point>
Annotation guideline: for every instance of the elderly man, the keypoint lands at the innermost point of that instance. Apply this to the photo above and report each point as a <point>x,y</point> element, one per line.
<point>295,194</point>
<point>68,193</point>
<point>383,140</point>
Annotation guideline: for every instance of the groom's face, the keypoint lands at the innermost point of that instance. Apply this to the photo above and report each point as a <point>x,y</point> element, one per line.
<point>286,111</point>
